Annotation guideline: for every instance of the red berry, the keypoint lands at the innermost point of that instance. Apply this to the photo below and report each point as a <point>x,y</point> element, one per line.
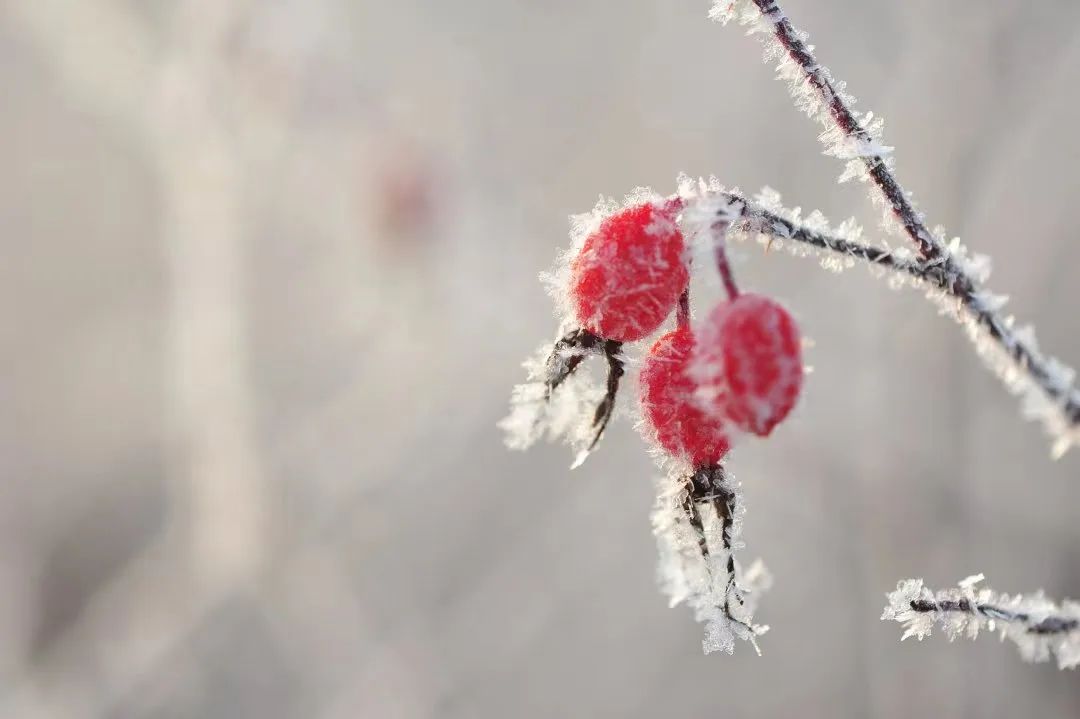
<point>749,363</point>
<point>670,407</point>
<point>629,273</point>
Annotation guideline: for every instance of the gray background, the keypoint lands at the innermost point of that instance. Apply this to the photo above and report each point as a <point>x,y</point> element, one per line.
<point>249,462</point>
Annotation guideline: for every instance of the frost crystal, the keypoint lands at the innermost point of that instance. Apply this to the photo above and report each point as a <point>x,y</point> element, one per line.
<point>697,522</point>
<point>724,11</point>
<point>1039,627</point>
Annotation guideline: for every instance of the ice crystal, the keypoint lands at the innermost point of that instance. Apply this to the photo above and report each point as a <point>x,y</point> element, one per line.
<point>724,11</point>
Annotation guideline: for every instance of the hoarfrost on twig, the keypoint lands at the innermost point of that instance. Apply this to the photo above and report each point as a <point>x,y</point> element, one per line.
<point>1040,627</point>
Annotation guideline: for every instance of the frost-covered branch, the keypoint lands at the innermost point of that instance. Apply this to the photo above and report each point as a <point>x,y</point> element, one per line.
<point>847,135</point>
<point>1012,353</point>
<point>773,225</point>
<point>697,521</point>
<point>1040,627</point>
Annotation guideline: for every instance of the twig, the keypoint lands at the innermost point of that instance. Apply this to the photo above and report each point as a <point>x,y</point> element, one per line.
<point>752,218</point>
<point>1046,625</point>
<point>872,155</point>
<point>1039,627</point>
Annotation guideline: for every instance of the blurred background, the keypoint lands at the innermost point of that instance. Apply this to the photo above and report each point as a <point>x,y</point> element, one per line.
<point>267,273</point>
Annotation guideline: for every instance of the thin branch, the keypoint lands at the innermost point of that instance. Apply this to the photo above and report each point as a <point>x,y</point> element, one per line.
<point>1046,625</point>
<point>1040,627</point>
<point>872,155</point>
<point>757,219</point>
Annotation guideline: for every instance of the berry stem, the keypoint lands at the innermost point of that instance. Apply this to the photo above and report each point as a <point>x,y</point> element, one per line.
<point>719,229</point>
<point>682,313</point>
<point>675,205</point>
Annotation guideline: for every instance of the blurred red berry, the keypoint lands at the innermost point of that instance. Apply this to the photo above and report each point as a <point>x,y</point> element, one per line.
<point>629,273</point>
<point>670,407</point>
<point>749,363</point>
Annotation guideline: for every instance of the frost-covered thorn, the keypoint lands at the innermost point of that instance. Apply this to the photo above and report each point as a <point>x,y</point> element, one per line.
<point>1039,627</point>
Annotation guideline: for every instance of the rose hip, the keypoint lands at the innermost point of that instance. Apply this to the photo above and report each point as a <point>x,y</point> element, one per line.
<point>629,273</point>
<point>669,405</point>
<point>749,363</point>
